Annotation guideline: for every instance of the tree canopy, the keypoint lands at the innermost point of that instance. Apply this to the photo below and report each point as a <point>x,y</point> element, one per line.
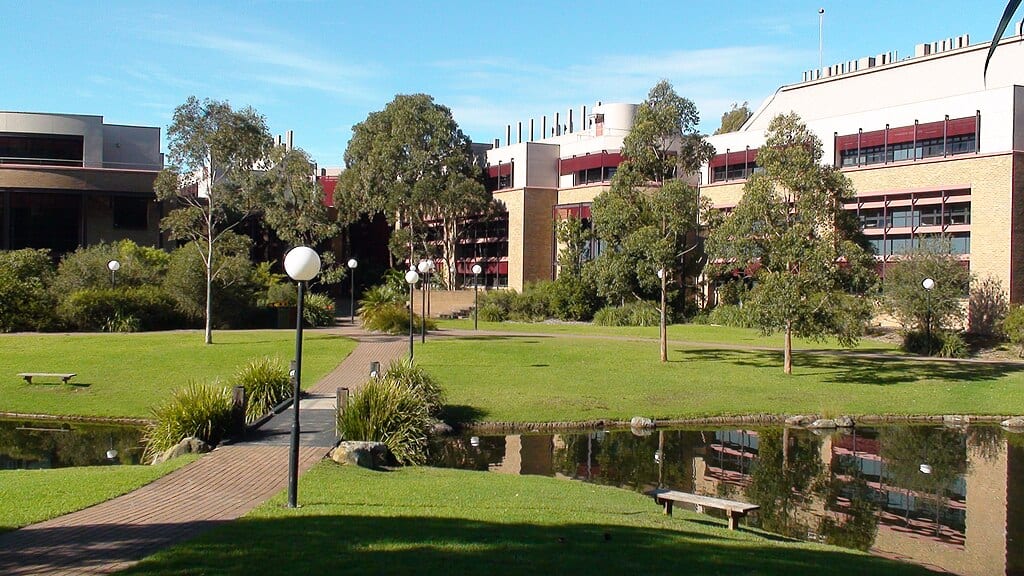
<point>811,268</point>
<point>412,162</point>
<point>213,180</point>
<point>917,308</point>
<point>735,118</point>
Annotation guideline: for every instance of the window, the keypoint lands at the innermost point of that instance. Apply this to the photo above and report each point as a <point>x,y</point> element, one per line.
<point>901,218</point>
<point>872,218</point>
<point>931,148</point>
<point>49,150</point>
<point>130,213</point>
<point>958,213</point>
<point>734,172</point>
<point>593,175</point>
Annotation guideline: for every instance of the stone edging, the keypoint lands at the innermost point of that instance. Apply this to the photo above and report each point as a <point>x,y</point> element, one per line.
<point>83,419</point>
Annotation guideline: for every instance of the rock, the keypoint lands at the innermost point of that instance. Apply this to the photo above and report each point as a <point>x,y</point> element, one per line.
<point>641,422</point>
<point>441,429</point>
<point>190,445</point>
<point>1015,422</point>
<point>798,420</point>
<point>955,420</point>
<point>822,423</point>
<point>844,422</point>
<point>365,454</point>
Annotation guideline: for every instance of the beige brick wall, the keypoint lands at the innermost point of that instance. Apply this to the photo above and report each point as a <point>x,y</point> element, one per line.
<point>993,204</point>
<point>530,233</point>
<point>582,195</point>
<point>723,194</point>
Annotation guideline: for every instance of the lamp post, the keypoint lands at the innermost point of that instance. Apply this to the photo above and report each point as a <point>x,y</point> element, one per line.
<point>302,264</point>
<point>113,266</point>
<point>928,284</point>
<point>662,332</point>
<point>412,278</point>
<point>476,295</point>
<point>425,267</point>
<point>352,264</point>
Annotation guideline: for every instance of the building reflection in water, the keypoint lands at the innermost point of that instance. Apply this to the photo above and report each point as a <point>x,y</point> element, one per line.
<point>948,498</point>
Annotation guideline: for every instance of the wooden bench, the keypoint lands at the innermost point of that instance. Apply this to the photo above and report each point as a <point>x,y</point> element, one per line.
<point>64,377</point>
<point>735,510</point>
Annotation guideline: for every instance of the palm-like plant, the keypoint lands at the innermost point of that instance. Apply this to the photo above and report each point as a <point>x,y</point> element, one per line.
<point>1011,8</point>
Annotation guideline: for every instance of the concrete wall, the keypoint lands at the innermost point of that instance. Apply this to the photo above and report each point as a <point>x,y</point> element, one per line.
<point>132,147</point>
<point>530,234</point>
<point>89,127</point>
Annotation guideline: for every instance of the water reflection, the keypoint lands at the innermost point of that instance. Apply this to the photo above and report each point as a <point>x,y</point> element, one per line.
<point>52,444</point>
<point>949,498</point>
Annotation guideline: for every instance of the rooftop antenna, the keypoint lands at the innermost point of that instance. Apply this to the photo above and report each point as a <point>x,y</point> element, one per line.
<point>821,27</point>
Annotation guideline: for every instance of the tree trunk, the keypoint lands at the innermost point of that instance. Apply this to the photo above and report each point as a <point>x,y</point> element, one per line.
<point>787,365</point>
<point>209,275</point>
<point>664,328</point>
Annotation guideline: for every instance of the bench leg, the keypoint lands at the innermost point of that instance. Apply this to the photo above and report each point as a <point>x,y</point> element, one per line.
<point>734,518</point>
<point>27,379</point>
<point>668,507</point>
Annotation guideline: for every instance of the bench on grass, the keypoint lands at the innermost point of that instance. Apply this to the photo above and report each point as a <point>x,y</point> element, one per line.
<point>64,377</point>
<point>735,510</point>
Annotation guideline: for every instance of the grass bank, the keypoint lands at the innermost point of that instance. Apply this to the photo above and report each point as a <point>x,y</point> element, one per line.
<point>694,333</point>
<point>30,496</point>
<point>554,379</point>
<point>125,375</point>
<point>434,521</point>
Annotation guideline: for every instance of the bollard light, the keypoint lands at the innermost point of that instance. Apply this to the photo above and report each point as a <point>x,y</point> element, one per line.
<point>476,295</point>
<point>411,277</point>
<point>352,264</point>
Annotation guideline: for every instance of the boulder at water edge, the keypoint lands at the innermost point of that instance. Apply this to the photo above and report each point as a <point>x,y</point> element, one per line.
<point>365,454</point>
<point>190,445</point>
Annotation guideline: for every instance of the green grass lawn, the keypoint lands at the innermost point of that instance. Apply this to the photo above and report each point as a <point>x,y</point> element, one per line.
<point>544,379</point>
<point>695,333</point>
<point>126,375</point>
<point>29,496</point>
<point>434,521</point>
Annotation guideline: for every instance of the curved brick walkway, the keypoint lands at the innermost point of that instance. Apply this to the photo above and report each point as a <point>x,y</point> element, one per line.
<point>217,488</point>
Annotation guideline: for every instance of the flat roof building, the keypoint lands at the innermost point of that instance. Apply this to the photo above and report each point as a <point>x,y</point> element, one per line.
<point>70,180</point>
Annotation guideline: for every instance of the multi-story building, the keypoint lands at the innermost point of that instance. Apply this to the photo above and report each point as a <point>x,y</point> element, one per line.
<point>69,180</point>
<point>931,146</point>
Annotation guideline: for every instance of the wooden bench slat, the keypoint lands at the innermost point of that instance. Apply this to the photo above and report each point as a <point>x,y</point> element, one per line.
<point>734,510</point>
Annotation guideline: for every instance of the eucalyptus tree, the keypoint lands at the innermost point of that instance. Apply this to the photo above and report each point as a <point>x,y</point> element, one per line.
<point>734,118</point>
<point>811,267</point>
<point>412,162</point>
<point>213,180</point>
<point>650,214</point>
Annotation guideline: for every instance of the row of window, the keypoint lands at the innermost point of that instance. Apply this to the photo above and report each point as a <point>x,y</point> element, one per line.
<point>51,150</point>
<point>894,245</point>
<point>931,148</point>
<point>912,217</point>
<point>734,172</point>
<point>593,175</point>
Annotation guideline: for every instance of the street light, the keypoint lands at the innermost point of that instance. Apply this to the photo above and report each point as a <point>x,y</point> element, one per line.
<point>302,264</point>
<point>662,277</point>
<point>412,278</point>
<point>113,266</point>
<point>352,263</point>
<point>928,284</point>
<point>476,295</point>
<point>425,267</point>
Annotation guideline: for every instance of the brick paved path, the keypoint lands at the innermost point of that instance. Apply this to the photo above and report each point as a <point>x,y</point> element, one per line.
<point>217,488</point>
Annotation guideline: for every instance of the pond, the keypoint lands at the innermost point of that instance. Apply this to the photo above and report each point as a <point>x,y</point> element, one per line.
<point>948,498</point>
<point>28,443</point>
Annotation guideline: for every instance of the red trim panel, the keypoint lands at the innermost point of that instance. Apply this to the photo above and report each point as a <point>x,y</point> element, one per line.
<point>588,161</point>
<point>734,158</point>
<point>499,170</point>
<point>903,134</point>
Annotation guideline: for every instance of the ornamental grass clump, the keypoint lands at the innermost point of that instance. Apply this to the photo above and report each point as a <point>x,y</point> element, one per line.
<point>416,379</point>
<point>199,410</point>
<point>266,385</point>
<point>388,411</point>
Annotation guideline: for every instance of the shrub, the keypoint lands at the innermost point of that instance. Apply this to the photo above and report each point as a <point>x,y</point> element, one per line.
<point>318,310</point>
<point>919,342</point>
<point>234,286</point>
<point>416,379</point>
<point>379,298</point>
<point>25,303</point>
<point>86,267</point>
<point>636,313</point>
<point>725,315</point>
<point>611,316</point>
<point>281,294</point>
<point>120,310</point>
<point>953,346</point>
<point>388,411</point>
<point>199,410</point>
<point>266,385</point>
<point>492,313</point>
<point>573,298</point>
<point>1013,327</point>
<point>394,319</point>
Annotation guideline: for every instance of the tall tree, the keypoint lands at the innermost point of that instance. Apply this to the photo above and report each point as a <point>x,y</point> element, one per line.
<point>917,308</point>
<point>295,209</point>
<point>811,268</point>
<point>649,216</point>
<point>212,180</point>
<point>412,162</point>
<point>734,119</point>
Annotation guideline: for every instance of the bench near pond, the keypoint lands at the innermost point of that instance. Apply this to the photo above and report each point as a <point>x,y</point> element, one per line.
<point>64,376</point>
<point>734,510</point>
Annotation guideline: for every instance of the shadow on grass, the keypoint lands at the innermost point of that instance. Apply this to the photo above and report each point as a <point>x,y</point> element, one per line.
<point>523,338</point>
<point>457,414</point>
<point>336,544</point>
<point>846,368</point>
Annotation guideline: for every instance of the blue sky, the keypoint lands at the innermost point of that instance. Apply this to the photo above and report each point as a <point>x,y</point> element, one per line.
<point>318,67</point>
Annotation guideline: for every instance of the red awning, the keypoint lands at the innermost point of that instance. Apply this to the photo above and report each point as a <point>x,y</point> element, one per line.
<point>499,170</point>
<point>328,183</point>
<point>904,134</point>
<point>735,158</point>
<point>588,161</point>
